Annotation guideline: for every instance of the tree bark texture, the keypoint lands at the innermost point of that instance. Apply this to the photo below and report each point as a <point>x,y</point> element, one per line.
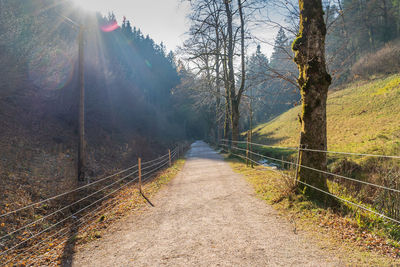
<point>309,48</point>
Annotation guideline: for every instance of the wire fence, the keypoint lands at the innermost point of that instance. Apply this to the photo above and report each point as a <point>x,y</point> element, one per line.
<point>233,147</point>
<point>315,150</point>
<point>24,243</point>
<point>320,171</point>
<point>29,243</point>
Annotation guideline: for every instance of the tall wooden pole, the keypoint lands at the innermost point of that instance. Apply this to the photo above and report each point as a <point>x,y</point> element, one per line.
<point>81,118</point>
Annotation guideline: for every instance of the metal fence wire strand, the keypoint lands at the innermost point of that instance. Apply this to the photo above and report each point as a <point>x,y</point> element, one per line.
<point>151,161</point>
<point>322,151</point>
<point>321,171</point>
<point>325,192</point>
<point>81,187</point>
<point>172,156</point>
<point>65,207</point>
<point>158,165</point>
<point>108,207</point>
<point>68,192</point>
<point>58,223</point>
<point>244,142</point>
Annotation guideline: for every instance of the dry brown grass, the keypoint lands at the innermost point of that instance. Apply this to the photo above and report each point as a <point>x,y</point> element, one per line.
<point>385,61</point>
<point>57,249</point>
<point>335,232</point>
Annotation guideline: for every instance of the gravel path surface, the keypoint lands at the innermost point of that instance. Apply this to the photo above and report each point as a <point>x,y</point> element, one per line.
<point>207,216</point>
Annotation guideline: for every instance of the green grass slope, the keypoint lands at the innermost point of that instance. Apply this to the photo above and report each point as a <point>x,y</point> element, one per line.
<point>363,117</point>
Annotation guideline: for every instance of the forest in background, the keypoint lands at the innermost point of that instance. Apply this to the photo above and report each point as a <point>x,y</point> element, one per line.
<point>362,42</point>
<point>131,109</point>
<point>141,99</point>
<point>326,46</point>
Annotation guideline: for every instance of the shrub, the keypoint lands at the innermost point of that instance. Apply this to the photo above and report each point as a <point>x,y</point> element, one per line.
<point>347,168</point>
<point>384,61</point>
<point>387,201</point>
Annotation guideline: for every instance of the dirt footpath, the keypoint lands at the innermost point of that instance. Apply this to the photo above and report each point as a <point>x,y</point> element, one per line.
<point>207,216</point>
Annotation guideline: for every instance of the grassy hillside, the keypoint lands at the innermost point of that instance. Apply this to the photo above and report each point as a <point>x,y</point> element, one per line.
<point>364,117</point>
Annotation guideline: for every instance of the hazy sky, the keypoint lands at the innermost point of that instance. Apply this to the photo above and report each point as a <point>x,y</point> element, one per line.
<point>163,20</point>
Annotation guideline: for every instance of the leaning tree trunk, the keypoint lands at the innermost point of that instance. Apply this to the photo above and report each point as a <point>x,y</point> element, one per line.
<point>309,48</point>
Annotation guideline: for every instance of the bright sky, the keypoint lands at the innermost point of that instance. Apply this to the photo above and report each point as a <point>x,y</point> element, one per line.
<point>164,20</point>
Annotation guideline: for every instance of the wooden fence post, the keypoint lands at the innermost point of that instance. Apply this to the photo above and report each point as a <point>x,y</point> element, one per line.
<point>247,149</point>
<point>169,154</point>
<point>140,182</point>
<point>140,174</point>
<point>298,159</point>
<point>251,147</point>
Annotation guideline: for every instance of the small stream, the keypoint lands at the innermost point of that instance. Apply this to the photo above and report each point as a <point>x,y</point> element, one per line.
<point>269,164</point>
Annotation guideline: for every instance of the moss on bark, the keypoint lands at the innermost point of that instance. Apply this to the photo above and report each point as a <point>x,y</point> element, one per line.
<point>309,48</point>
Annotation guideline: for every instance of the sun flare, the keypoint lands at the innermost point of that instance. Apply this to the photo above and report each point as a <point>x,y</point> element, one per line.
<point>88,5</point>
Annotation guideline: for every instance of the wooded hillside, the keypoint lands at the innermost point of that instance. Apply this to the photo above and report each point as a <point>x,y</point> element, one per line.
<point>130,107</point>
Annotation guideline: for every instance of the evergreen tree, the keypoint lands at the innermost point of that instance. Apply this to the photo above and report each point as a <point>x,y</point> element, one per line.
<point>281,48</point>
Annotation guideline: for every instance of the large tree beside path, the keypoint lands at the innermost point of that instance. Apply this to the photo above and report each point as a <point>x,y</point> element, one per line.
<point>224,27</point>
<point>234,94</point>
<point>314,81</point>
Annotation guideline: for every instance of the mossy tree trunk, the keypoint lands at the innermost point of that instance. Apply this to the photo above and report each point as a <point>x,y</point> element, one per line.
<point>309,48</point>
